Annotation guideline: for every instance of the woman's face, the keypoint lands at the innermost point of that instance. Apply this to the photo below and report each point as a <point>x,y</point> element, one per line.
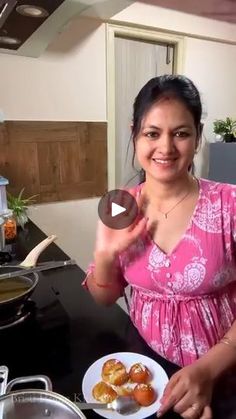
<point>167,141</point>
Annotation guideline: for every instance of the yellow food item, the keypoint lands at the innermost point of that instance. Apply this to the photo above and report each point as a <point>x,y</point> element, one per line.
<point>104,393</point>
<point>114,372</point>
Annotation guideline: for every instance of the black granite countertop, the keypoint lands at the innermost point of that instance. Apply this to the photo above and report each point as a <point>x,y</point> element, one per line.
<point>67,331</point>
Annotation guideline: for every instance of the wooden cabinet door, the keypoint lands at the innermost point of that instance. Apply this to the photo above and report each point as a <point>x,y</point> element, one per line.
<point>56,160</point>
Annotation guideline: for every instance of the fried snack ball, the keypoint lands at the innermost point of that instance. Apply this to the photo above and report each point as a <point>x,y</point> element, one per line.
<point>104,393</point>
<point>114,372</point>
<point>124,391</point>
<point>139,373</point>
<point>144,394</point>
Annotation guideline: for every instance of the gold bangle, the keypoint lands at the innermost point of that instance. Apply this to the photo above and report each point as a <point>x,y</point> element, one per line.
<point>228,341</point>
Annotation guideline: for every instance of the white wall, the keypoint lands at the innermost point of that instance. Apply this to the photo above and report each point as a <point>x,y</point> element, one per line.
<point>158,17</point>
<point>211,66</point>
<point>74,223</point>
<point>68,82</point>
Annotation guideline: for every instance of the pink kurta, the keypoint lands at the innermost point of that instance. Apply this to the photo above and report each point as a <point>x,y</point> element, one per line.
<point>182,303</point>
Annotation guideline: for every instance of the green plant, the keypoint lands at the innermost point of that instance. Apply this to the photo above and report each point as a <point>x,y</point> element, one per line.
<point>226,128</point>
<point>19,206</point>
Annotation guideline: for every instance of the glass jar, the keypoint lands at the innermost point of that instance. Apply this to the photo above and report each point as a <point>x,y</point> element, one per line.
<point>10,228</point>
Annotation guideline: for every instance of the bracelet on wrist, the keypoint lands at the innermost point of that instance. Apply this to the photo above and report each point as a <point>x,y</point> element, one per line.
<point>228,341</point>
<point>98,284</point>
<point>102,285</point>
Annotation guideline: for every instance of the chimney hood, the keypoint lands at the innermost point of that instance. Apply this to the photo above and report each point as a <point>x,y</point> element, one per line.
<point>28,26</point>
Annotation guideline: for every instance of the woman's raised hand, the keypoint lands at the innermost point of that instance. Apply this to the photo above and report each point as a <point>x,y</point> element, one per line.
<point>113,241</point>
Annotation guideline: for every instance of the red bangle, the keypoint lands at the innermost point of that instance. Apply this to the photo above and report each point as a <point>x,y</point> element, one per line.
<point>102,285</point>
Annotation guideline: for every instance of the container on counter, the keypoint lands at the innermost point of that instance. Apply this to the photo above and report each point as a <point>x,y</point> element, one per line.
<point>10,227</point>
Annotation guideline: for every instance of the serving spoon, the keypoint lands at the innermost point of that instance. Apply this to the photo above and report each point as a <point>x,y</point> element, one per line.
<point>28,265</point>
<point>32,257</point>
<point>125,405</point>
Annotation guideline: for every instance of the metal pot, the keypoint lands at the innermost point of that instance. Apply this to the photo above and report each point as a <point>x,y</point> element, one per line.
<point>35,404</point>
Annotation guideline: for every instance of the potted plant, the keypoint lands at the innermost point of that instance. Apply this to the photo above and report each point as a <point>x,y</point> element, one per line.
<point>226,129</point>
<point>19,206</point>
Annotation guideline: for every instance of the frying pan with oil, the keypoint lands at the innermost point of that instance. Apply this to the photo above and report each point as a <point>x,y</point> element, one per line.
<point>15,291</point>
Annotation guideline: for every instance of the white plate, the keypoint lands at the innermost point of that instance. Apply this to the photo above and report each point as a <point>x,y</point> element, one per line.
<point>93,376</point>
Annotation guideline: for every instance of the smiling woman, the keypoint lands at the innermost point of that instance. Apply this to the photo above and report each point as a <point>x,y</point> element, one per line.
<point>171,113</point>
<point>182,292</point>
<point>167,140</point>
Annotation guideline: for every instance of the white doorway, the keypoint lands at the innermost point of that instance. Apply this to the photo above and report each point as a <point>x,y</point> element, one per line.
<point>134,56</point>
<point>135,63</point>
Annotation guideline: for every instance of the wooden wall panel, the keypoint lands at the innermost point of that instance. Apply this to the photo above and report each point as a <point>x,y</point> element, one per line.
<point>69,168</point>
<point>49,167</point>
<point>56,160</point>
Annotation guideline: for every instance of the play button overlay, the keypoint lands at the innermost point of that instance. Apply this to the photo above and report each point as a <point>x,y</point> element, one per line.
<point>118,209</point>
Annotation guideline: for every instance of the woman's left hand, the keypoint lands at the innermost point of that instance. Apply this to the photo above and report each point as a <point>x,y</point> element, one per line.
<point>189,393</point>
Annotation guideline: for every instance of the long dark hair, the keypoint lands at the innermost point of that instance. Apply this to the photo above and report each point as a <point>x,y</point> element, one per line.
<point>167,86</point>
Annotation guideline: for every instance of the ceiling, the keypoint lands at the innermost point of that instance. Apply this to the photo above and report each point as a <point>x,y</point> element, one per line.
<point>20,27</point>
<point>224,10</point>
<point>29,35</point>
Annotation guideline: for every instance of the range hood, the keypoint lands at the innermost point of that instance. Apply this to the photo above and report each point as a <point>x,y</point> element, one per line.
<point>28,26</point>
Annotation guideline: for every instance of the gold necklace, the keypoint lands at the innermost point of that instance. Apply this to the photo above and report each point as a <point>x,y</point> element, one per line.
<point>165,214</point>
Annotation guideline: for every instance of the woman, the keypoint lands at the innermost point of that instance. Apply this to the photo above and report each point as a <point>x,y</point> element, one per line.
<point>180,255</point>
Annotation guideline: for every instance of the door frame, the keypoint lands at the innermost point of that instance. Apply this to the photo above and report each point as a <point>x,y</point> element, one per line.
<point>112,31</point>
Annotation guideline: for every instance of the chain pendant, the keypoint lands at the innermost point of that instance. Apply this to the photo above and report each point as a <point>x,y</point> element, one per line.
<point>165,214</point>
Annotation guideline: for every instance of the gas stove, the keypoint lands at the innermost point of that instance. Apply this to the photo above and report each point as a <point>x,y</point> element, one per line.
<point>26,311</point>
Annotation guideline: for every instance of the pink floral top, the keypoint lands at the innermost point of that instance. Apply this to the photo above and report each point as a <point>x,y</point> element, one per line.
<point>182,303</point>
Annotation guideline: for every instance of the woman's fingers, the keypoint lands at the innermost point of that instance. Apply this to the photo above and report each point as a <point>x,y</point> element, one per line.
<point>140,198</point>
<point>207,413</point>
<point>132,205</point>
<point>193,412</point>
<point>138,229</point>
<point>174,392</point>
<point>123,198</point>
<point>141,201</point>
<point>184,404</point>
<point>127,235</point>
<point>133,212</point>
<point>170,386</point>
